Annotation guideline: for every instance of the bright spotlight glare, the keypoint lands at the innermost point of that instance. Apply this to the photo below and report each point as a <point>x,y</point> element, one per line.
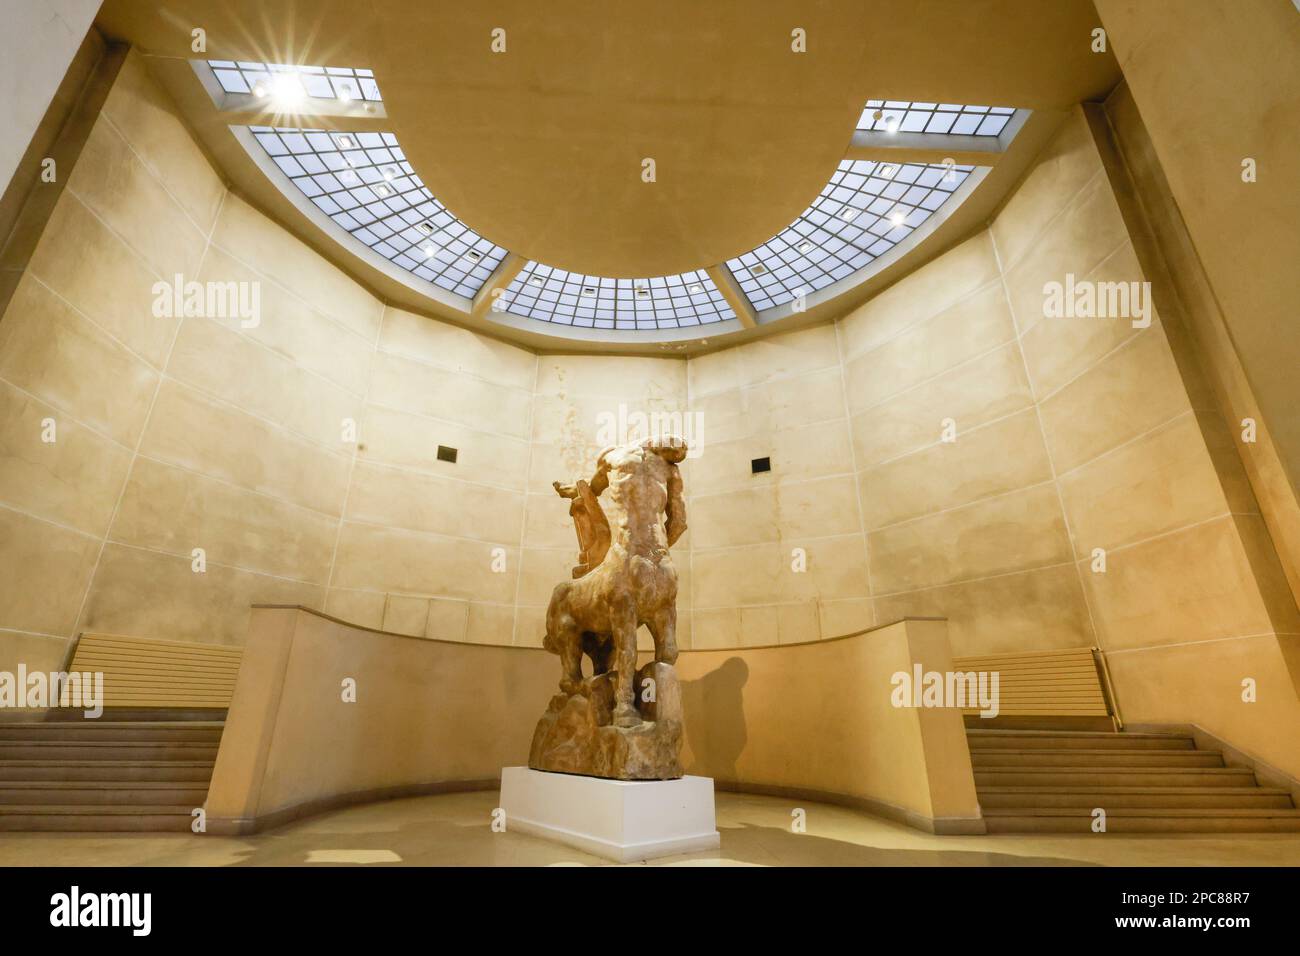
<point>287,89</point>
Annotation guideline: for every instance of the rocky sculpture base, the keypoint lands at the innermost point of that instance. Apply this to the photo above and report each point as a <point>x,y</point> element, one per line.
<point>577,733</point>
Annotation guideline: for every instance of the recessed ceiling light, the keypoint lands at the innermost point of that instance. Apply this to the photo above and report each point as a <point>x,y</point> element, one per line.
<point>642,292</point>
<point>891,124</point>
<point>473,255</point>
<point>346,142</point>
<point>391,173</point>
<point>805,246</point>
<point>888,170</point>
<point>757,269</point>
<point>425,227</point>
<point>897,218</point>
<point>383,190</point>
<point>534,280</point>
<point>695,288</point>
<point>428,250</point>
<point>345,93</point>
<point>588,290</point>
<point>847,213</point>
<point>259,90</point>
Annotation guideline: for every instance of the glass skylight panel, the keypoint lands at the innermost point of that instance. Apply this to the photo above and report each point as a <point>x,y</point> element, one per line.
<point>318,82</point>
<point>363,182</point>
<point>865,210</point>
<point>897,116</point>
<point>571,298</point>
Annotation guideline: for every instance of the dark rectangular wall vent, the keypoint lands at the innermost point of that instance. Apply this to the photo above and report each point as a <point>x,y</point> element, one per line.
<point>759,465</point>
<point>446,454</point>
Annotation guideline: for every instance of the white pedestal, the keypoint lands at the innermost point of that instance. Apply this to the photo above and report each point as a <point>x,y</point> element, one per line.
<point>622,820</point>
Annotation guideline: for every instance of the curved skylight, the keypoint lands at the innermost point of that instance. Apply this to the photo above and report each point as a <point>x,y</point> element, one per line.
<point>319,82</point>
<point>571,298</point>
<point>865,210</point>
<point>898,116</point>
<point>363,182</point>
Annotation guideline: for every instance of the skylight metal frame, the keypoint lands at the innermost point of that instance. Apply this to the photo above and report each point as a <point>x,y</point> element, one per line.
<point>362,181</point>
<point>239,77</point>
<point>846,228</point>
<point>548,294</point>
<point>935,119</point>
<point>342,186</point>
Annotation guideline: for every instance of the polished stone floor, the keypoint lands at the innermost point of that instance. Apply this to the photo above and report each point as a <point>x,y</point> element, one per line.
<point>454,830</point>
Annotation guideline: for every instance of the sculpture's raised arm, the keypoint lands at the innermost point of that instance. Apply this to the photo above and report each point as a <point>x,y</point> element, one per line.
<point>675,517</point>
<point>599,480</point>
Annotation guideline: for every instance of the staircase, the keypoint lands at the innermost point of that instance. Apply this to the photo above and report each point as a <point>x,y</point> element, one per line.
<point>105,775</point>
<point>1050,781</point>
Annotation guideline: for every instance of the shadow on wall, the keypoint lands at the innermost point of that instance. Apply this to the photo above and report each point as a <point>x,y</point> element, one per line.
<point>714,713</point>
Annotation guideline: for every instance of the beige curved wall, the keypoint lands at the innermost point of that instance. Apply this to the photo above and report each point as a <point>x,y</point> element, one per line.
<point>429,715</point>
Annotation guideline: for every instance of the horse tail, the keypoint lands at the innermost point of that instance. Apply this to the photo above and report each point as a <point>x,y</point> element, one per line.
<point>549,641</point>
<point>555,612</point>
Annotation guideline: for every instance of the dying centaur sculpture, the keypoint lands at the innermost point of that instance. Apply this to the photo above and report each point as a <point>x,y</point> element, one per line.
<point>621,722</point>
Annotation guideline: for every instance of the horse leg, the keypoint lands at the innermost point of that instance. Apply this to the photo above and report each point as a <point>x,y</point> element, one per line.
<point>569,640</point>
<point>663,628</point>
<point>599,650</point>
<point>624,635</point>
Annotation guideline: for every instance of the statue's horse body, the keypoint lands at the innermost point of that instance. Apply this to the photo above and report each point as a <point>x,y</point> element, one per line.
<point>634,582</point>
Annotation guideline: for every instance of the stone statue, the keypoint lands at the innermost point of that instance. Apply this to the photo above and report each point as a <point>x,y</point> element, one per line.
<point>621,722</point>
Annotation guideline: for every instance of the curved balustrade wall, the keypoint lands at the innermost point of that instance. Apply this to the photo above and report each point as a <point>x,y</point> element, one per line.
<point>326,713</point>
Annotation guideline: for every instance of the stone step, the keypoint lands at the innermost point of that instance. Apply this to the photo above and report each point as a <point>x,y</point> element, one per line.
<point>106,750</point>
<point>202,731</point>
<point>158,771</point>
<point>52,818</point>
<point>102,793</point>
<point>1141,820</point>
<point>1040,757</point>
<point>1075,739</point>
<point>1224,777</point>
<point>1109,798</point>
